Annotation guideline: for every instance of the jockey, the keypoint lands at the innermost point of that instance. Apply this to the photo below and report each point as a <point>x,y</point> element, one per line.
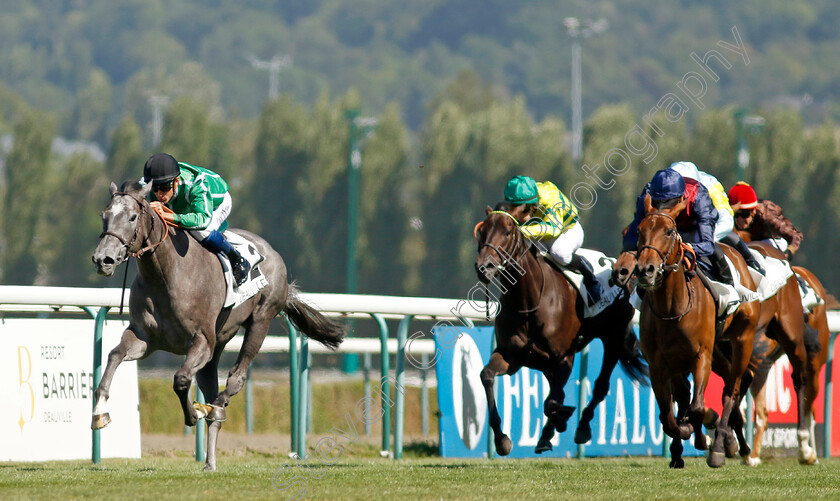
<point>196,199</point>
<point>725,222</point>
<point>763,220</point>
<point>546,215</point>
<point>696,224</point>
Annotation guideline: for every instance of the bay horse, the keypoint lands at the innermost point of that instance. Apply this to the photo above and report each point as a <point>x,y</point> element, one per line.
<point>540,325</point>
<point>677,331</point>
<point>176,305</point>
<point>782,329</point>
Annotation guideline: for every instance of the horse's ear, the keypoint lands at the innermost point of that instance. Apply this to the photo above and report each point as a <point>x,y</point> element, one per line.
<point>648,205</point>
<point>145,190</point>
<point>677,209</point>
<point>488,210</point>
<point>113,189</point>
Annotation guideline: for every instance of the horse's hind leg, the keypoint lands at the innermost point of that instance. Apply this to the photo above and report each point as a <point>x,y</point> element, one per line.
<point>600,389</point>
<point>253,339</point>
<point>130,348</point>
<point>760,404</point>
<point>208,381</point>
<point>197,357</point>
<point>496,366</point>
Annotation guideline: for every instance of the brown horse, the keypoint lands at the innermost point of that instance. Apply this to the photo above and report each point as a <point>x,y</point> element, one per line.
<point>541,326</point>
<point>782,329</point>
<point>677,332</point>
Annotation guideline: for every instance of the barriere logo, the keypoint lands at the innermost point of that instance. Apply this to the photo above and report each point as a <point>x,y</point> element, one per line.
<point>468,392</point>
<point>23,352</point>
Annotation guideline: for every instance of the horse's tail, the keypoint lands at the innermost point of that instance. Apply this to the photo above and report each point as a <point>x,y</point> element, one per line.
<point>312,323</point>
<point>632,360</point>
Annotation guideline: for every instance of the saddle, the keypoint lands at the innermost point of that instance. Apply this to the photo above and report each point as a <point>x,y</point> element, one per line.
<point>602,267</point>
<point>256,280</point>
<point>727,297</point>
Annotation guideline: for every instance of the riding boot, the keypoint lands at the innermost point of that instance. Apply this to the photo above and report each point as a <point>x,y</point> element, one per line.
<point>593,288</point>
<point>721,268</point>
<point>216,243</point>
<point>752,262</point>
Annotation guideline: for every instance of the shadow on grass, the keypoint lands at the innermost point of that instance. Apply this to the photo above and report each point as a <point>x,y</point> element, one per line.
<point>421,449</point>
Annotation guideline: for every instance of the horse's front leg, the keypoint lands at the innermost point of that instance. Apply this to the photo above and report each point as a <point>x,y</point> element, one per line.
<point>556,413</point>
<point>599,393</point>
<point>197,357</point>
<point>130,348</point>
<point>660,383</point>
<point>496,366</point>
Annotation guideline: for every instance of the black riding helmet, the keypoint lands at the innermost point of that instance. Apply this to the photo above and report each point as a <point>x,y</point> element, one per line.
<point>161,168</point>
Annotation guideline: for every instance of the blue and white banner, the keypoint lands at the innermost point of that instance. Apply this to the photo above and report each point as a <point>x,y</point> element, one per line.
<point>626,423</point>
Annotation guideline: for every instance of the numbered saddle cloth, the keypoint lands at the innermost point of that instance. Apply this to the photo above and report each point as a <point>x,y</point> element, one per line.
<point>602,266</point>
<point>256,280</point>
<point>778,272</point>
<point>728,297</point>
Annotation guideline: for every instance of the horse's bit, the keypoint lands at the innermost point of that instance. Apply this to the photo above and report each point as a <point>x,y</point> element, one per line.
<point>505,261</point>
<point>676,241</point>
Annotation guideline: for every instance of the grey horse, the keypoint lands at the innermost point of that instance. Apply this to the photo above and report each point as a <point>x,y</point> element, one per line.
<point>177,305</point>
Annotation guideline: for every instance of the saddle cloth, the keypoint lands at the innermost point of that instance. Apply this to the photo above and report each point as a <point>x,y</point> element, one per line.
<point>602,266</point>
<point>256,280</point>
<point>778,273</point>
<point>729,297</point>
<point>810,298</point>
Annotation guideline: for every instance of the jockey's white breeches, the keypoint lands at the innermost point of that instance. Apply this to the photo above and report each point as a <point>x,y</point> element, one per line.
<point>219,216</point>
<point>562,248</point>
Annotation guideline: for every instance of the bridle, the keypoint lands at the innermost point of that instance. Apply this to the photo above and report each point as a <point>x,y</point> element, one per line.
<point>520,248</point>
<point>676,244</point>
<point>136,235</point>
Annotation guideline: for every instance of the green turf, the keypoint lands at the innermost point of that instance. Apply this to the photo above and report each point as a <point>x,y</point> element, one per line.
<point>250,477</point>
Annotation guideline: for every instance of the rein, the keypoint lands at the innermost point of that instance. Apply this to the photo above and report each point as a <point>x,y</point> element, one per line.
<point>134,237</point>
<point>676,241</point>
<point>501,253</point>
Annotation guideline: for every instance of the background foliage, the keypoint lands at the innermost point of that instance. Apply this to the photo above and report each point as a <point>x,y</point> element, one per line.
<point>466,93</point>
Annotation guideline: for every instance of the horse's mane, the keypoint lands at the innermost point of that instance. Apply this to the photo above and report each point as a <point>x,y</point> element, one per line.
<point>130,185</point>
<point>505,206</point>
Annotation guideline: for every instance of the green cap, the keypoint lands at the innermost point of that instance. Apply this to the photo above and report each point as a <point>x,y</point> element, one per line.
<point>521,190</point>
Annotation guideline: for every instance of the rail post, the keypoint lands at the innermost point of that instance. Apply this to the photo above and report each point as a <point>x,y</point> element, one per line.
<point>303,396</point>
<point>200,427</point>
<point>294,383</point>
<point>385,392</point>
<point>583,384</point>
<point>96,444</point>
<point>399,414</point>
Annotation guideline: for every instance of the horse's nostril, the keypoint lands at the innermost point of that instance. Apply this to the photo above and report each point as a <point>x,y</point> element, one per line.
<point>623,272</point>
<point>108,261</point>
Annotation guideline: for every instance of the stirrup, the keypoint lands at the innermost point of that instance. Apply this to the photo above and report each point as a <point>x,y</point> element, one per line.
<point>241,271</point>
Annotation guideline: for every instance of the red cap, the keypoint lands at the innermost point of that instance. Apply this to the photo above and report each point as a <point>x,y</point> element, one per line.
<point>742,196</point>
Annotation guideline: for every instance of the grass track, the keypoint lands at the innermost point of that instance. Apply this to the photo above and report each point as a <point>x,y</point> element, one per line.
<point>250,477</point>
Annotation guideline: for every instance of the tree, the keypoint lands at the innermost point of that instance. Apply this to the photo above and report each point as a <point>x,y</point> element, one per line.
<point>125,154</point>
<point>27,167</point>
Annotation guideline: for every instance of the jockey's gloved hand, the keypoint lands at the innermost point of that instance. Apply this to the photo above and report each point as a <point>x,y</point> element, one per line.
<point>788,254</point>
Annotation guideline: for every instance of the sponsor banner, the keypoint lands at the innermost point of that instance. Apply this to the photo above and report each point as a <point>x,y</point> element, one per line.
<point>626,423</point>
<point>46,381</point>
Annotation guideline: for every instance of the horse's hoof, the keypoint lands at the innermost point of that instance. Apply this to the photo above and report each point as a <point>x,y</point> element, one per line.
<point>686,430</point>
<point>583,434</point>
<point>202,410</point>
<point>677,463</point>
<point>731,446</point>
<point>217,414</point>
<point>811,459</point>
<point>558,414</point>
<point>503,445</point>
<point>751,461</point>
<point>100,421</point>
<point>543,446</point>
<point>710,419</point>
<point>701,442</point>
<point>715,459</point>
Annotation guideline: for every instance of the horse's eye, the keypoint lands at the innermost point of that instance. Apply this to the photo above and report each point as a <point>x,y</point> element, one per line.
<point>670,232</point>
<point>133,218</point>
<point>507,233</point>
